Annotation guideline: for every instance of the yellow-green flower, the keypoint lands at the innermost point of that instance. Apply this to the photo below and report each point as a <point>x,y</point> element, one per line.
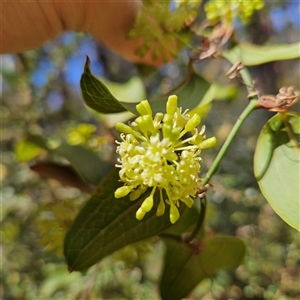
<point>154,153</point>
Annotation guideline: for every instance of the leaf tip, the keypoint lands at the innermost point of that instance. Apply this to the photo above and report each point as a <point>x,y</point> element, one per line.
<point>87,64</point>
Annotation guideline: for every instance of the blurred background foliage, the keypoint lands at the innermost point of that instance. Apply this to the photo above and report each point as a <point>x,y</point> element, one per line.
<point>40,96</point>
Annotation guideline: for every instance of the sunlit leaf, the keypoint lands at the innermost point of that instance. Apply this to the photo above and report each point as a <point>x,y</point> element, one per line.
<point>25,150</point>
<point>186,266</point>
<point>106,224</point>
<point>277,165</point>
<point>251,55</point>
<point>132,91</point>
<point>58,280</point>
<point>215,92</point>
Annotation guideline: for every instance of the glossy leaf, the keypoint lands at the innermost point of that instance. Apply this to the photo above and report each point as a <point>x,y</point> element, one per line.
<point>277,165</point>
<point>251,55</point>
<point>106,224</point>
<point>186,266</point>
<point>97,96</point>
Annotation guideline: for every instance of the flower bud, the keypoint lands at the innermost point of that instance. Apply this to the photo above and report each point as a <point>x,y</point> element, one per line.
<point>134,195</point>
<point>161,208</point>
<point>140,214</point>
<point>174,134</point>
<point>138,192</point>
<point>188,201</point>
<point>171,156</point>
<point>197,139</point>
<point>180,121</point>
<point>157,119</point>
<point>174,213</point>
<point>171,106</point>
<point>193,122</point>
<point>167,130</point>
<point>123,127</point>
<point>211,142</point>
<point>168,119</point>
<point>123,191</point>
<point>144,108</point>
<point>145,124</point>
<point>147,204</point>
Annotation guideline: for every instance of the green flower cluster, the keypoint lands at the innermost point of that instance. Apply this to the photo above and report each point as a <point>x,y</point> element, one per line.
<point>227,10</point>
<point>153,154</point>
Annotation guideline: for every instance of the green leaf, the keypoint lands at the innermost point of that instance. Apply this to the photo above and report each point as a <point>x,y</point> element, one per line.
<point>251,55</point>
<point>66,175</point>
<point>57,280</point>
<point>86,162</point>
<point>190,94</point>
<point>38,140</point>
<point>131,91</point>
<point>215,92</point>
<point>277,165</point>
<point>185,224</point>
<point>97,96</point>
<point>106,224</point>
<point>186,266</point>
<point>30,147</point>
<point>25,150</point>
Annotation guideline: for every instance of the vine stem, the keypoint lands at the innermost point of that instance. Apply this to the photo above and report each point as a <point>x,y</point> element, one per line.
<point>233,58</point>
<point>251,106</point>
<point>247,80</point>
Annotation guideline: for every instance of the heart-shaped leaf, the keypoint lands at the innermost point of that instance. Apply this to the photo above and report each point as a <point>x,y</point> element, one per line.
<point>277,165</point>
<point>106,224</point>
<point>186,266</point>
